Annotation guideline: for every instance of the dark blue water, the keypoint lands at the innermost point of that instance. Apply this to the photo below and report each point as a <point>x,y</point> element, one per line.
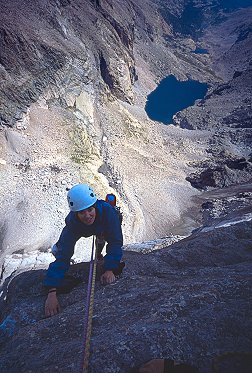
<point>234,4</point>
<point>200,51</point>
<point>171,96</point>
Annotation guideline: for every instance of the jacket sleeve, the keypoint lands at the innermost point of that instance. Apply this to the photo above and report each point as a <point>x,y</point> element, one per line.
<point>114,238</point>
<point>56,271</point>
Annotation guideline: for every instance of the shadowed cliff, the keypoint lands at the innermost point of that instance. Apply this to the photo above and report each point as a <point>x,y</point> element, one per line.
<point>190,301</point>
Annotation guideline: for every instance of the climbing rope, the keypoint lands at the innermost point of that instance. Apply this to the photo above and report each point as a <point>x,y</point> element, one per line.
<point>89,308</point>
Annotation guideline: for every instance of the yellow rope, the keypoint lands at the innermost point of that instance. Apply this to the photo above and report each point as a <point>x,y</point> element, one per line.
<point>89,325</point>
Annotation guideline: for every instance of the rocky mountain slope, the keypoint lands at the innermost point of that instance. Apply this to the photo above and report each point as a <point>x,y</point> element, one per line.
<point>74,78</point>
<point>68,71</point>
<point>190,301</point>
<point>74,81</point>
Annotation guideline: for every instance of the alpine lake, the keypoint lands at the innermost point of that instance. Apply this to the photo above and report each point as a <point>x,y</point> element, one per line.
<point>172,96</point>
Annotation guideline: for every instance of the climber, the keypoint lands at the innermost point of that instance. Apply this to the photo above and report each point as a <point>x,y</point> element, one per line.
<point>88,216</point>
<point>100,241</point>
<point>111,199</point>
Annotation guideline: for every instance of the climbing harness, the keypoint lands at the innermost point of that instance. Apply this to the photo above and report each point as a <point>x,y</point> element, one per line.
<point>89,307</point>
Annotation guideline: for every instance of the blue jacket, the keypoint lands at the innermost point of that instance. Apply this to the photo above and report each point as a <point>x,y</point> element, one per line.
<point>106,223</point>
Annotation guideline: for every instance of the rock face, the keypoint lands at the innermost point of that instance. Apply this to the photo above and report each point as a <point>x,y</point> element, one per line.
<point>75,75</point>
<point>190,301</point>
<point>67,72</point>
<point>74,80</point>
<point>226,110</point>
<point>49,56</point>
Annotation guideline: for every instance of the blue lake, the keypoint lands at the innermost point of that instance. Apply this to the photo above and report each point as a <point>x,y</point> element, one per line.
<point>200,51</point>
<point>171,96</point>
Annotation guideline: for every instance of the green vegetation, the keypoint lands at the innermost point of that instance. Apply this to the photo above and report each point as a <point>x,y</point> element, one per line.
<point>83,149</point>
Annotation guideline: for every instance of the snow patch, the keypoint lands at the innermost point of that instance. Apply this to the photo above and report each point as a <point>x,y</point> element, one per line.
<point>228,223</point>
<point>152,245</point>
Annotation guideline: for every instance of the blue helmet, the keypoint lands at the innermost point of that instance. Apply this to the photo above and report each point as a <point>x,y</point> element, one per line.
<point>81,197</point>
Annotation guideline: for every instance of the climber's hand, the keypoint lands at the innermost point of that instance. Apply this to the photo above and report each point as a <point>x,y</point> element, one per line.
<point>52,306</point>
<point>107,278</point>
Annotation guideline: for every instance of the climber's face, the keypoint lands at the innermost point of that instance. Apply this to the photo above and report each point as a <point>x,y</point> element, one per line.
<point>87,216</point>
